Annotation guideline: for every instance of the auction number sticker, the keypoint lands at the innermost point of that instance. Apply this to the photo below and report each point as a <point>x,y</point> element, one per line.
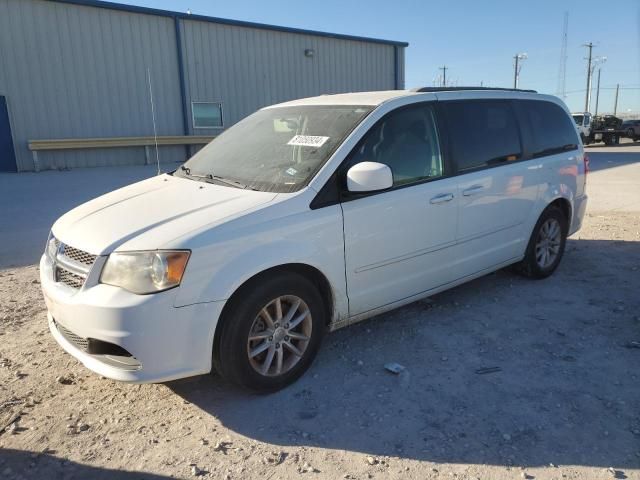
<point>307,141</point>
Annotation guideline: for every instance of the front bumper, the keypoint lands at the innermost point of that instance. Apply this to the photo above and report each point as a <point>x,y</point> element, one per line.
<point>166,342</point>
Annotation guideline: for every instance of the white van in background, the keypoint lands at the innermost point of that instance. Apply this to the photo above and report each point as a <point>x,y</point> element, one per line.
<point>308,216</point>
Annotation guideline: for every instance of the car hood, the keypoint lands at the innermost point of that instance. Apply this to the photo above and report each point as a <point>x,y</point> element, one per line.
<point>149,214</point>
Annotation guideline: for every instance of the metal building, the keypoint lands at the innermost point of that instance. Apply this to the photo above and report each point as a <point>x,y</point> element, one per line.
<point>79,69</point>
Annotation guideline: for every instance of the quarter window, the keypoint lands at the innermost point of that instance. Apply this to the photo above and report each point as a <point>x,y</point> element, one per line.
<point>407,141</point>
<point>206,114</point>
<point>552,129</point>
<point>482,133</point>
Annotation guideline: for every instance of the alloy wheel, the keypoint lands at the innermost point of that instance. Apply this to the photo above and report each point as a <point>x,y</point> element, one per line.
<point>547,247</point>
<point>279,335</point>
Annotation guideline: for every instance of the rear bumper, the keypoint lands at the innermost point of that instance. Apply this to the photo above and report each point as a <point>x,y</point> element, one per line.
<point>579,208</point>
<point>165,342</point>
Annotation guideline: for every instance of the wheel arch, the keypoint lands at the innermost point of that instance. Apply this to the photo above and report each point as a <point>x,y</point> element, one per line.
<point>564,205</point>
<point>311,273</point>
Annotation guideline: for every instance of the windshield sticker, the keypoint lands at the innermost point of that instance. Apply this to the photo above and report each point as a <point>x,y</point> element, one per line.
<point>307,141</point>
<point>291,171</point>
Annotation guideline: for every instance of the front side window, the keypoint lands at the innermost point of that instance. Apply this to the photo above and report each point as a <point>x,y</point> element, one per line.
<point>482,133</point>
<point>207,115</point>
<point>405,140</point>
<point>551,128</point>
<point>276,149</point>
<point>579,119</point>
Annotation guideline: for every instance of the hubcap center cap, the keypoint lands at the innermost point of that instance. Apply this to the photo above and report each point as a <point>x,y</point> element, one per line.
<point>279,334</point>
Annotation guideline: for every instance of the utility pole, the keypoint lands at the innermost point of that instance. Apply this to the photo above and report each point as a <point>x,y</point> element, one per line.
<point>615,106</point>
<point>562,72</point>
<point>598,91</point>
<point>444,75</point>
<point>587,99</point>
<point>517,66</point>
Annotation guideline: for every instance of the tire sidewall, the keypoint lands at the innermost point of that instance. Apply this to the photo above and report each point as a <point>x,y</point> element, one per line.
<point>232,359</point>
<point>533,269</point>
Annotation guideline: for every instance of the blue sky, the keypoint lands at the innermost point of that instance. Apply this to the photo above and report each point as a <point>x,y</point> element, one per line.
<point>476,39</point>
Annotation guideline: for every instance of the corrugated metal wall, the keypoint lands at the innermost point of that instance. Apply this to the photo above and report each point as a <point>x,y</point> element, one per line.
<point>80,72</point>
<point>247,68</point>
<point>75,71</point>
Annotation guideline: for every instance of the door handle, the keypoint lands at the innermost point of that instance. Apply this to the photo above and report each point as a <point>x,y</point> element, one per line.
<point>442,198</point>
<point>472,190</point>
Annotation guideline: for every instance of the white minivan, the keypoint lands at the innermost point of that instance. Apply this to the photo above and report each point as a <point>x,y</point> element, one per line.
<point>308,216</point>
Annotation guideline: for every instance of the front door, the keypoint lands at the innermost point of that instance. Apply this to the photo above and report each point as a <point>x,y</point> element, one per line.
<point>7,154</point>
<point>397,242</point>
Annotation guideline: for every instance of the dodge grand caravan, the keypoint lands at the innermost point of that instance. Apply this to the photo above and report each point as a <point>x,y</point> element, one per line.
<point>308,216</point>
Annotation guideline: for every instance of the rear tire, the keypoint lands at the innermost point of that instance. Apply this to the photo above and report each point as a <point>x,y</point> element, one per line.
<point>546,245</point>
<point>261,317</point>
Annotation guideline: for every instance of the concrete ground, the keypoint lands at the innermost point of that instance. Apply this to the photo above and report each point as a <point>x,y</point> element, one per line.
<point>617,170</point>
<point>506,378</point>
<point>31,202</point>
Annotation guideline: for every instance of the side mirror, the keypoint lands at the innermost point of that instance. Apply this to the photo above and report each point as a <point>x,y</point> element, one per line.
<point>369,177</point>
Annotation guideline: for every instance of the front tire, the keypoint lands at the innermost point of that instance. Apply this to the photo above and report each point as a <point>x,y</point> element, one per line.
<point>546,245</point>
<point>271,332</point>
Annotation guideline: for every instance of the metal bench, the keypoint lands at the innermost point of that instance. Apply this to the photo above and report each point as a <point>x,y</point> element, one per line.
<point>115,142</point>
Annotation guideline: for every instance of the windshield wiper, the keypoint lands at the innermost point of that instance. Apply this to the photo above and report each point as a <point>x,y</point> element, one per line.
<point>187,172</point>
<point>210,178</point>
<point>228,181</point>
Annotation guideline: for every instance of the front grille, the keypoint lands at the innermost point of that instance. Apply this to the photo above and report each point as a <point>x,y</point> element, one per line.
<point>79,255</point>
<point>72,338</point>
<point>69,278</point>
<point>72,265</point>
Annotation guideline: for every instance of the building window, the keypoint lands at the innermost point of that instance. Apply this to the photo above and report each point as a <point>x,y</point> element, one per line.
<point>206,114</point>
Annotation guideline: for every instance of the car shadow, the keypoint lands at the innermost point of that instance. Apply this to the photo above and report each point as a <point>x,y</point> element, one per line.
<point>502,370</point>
<point>23,464</point>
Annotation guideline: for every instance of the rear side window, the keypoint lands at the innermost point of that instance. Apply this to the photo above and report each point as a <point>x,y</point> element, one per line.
<point>482,133</point>
<point>551,128</point>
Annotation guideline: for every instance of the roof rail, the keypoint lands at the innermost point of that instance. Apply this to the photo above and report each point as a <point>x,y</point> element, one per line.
<point>458,89</point>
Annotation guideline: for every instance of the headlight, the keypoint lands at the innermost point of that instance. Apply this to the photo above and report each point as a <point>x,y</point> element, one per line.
<point>52,247</point>
<point>145,272</point>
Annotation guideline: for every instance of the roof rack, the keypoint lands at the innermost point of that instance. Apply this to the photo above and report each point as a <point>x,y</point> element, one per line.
<point>458,89</point>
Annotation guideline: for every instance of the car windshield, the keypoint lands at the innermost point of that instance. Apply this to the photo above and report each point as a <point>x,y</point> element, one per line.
<point>578,119</point>
<point>276,149</point>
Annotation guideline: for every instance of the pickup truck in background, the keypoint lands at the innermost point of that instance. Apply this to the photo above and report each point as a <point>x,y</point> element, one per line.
<point>600,128</point>
<point>632,129</point>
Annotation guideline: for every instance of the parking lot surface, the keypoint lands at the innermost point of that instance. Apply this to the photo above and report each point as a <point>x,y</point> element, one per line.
<point>504,377</point>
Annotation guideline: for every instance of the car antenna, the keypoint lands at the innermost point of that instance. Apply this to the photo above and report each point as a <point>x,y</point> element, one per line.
<point>153,119</point>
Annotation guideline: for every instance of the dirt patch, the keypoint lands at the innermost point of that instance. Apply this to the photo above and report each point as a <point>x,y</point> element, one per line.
<point>504,378</point>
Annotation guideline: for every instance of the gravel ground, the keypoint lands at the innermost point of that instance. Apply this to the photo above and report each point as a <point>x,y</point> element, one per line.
<point>504,378</point>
